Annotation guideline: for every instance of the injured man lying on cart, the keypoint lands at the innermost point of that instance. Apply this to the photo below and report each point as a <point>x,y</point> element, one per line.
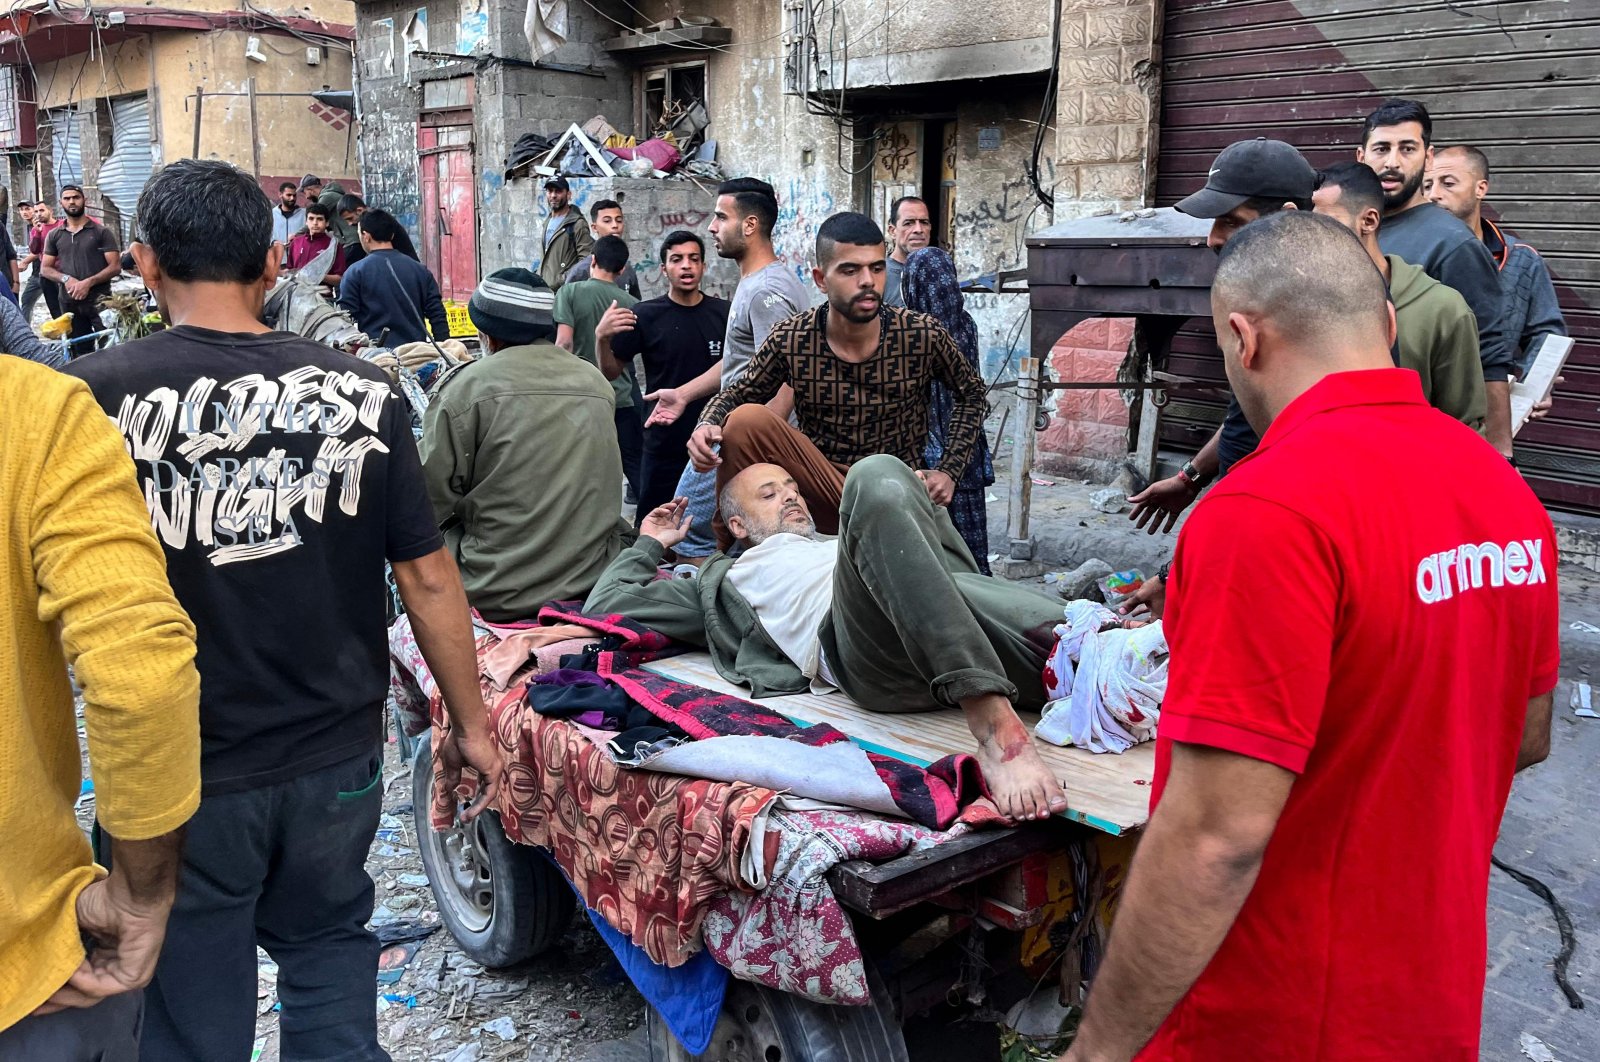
<point>893,611</point>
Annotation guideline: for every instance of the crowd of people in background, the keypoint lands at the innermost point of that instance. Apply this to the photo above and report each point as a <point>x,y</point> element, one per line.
<point>810,481</point>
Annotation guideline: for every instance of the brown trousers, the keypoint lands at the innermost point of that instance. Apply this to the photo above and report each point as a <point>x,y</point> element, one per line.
<point>754,435</point>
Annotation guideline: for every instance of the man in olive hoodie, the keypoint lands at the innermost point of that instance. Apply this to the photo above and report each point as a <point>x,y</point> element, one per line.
<point>893,611</point>
<point>1436,334</point>
<point>521,460</point>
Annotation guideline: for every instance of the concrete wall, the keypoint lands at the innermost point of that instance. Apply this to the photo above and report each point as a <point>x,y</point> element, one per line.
<point>1106,114</point>
<point>1096,154</point>
<point>511,98</point>
<point>511,236</point>
<point>168,65</point>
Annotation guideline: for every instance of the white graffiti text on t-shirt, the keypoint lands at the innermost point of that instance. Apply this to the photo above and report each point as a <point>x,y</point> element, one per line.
<point>244,508</point>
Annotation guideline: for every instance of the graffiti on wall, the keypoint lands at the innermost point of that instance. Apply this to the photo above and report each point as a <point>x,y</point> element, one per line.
<point>803,205</point>
<point>672,220</point>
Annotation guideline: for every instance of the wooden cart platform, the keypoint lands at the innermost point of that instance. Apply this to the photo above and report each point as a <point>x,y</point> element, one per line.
<point>1108,792</point>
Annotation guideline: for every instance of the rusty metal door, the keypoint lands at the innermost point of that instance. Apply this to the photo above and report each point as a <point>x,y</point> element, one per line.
<point>449,219</point>
<point>1519,81</point>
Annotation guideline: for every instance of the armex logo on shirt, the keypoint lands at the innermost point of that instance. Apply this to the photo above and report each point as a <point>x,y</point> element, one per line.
<point>1442,575</point>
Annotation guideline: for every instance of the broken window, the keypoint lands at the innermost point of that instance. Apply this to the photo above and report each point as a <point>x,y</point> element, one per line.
<point>670,94</point>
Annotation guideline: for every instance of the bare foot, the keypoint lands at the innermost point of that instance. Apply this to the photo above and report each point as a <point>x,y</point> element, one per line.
<point>1020,783</point>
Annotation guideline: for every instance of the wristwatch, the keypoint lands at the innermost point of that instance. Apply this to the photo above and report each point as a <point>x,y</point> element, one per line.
<point>1193,476</point>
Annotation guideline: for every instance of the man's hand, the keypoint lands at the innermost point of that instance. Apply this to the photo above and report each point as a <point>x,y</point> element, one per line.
<point>615,319</point>
<point>475,749</point>
<point>670,405</point>
<point>126,930</point>
<point>1541,408</point>
<point>1166,497</point>
<point>1145,604</point>
<point>76,289</point>
<point>941,488</point>
<point>701,447</point>
<point>668,524</point>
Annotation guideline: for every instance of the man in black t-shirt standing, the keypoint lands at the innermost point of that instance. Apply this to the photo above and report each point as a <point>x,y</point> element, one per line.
<point>83,256</point>
<point>679,335</point>
<point>280,475</point>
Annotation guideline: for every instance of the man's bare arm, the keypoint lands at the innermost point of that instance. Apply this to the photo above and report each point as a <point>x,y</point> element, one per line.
<point>1194,868</point>
<point>1536,731</point>
<point>610,367</point>
<point>50,268</point>
<point>564,337</point>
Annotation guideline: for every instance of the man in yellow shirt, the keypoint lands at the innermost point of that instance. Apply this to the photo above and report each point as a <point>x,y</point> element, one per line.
<point>83,581</point>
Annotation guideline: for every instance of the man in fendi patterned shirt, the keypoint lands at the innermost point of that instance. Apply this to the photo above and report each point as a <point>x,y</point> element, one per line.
<point>860,371</point>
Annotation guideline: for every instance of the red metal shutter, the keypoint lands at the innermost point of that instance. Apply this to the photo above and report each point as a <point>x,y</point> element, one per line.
<point>1521,81</point>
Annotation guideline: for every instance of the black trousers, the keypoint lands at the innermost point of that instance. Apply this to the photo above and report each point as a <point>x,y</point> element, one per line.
<point>630,439</point>
<point>283,866</point>
<point>85,322</point>
<point>105,1032</point>
<point>666,454</point>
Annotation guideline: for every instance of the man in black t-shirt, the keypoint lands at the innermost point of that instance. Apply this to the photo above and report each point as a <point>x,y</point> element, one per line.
<point>280,475</point>
<point>679,335</point>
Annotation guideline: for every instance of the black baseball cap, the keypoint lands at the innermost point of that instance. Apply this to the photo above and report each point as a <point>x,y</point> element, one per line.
<point>558,182</point>
<point>1250,169</point>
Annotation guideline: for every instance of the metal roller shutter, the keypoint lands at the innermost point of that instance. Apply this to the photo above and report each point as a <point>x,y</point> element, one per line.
<point>1519,80</point>
<point>66,149</point>
<point>123,175</point>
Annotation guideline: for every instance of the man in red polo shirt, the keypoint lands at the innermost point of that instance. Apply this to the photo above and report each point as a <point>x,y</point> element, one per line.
<point>1331,768</point>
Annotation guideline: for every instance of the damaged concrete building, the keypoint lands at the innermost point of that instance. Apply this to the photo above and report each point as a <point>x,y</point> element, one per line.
<point>104,98</point>
<point>1004,118</point>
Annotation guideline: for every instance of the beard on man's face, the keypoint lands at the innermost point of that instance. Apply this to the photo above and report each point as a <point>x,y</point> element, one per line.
<point>1407,190</point>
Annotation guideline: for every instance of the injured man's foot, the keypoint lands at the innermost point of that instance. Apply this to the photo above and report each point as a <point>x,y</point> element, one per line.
<point>1019,782</point>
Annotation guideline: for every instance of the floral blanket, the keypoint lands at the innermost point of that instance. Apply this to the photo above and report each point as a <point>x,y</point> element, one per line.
<point>647,851</point>
<point>793,935</point>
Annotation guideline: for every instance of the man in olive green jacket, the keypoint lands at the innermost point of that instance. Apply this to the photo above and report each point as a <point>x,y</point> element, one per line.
<point>521,459</point>
<point>1436,334</point>
<point>567,239</point>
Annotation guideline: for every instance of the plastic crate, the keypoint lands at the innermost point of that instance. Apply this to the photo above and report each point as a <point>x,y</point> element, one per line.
<point>461,325</point>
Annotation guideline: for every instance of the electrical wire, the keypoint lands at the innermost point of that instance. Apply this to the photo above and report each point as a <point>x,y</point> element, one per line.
<point>1047,108</point>
<point>1569,940</point>
<point>688,46</point>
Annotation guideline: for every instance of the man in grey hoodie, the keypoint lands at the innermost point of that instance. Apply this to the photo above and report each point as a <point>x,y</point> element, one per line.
<point>1459,182</point>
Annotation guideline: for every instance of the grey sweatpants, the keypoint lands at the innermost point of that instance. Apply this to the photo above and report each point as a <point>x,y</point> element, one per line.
<point>914,625</point>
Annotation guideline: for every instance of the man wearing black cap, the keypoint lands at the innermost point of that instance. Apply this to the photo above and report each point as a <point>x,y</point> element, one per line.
<point>1250,179</point>
<point>567,239</point>
<point>521,458</point>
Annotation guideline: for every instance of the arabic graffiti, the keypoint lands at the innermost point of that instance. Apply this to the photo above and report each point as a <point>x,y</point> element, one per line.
<point>670,220</point>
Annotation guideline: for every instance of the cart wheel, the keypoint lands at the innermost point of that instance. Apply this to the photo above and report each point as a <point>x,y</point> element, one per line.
<point>503,902</point>
<point>760,1024</point>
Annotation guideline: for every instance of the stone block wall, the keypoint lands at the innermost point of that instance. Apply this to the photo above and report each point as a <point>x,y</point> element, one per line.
<point>1106,121</point>
<point>1088,432</point>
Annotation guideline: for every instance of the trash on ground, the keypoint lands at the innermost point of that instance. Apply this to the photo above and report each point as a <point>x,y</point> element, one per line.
<point>1040,482</point>
<point>1110,500</point>
<point>502,1027</point>
<point>1583,701</point>
<point>1081,582</point>
<point>402,931</point>
<point>1535,1048</point>
<point>1586,628</point>
<point>393,960</point>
